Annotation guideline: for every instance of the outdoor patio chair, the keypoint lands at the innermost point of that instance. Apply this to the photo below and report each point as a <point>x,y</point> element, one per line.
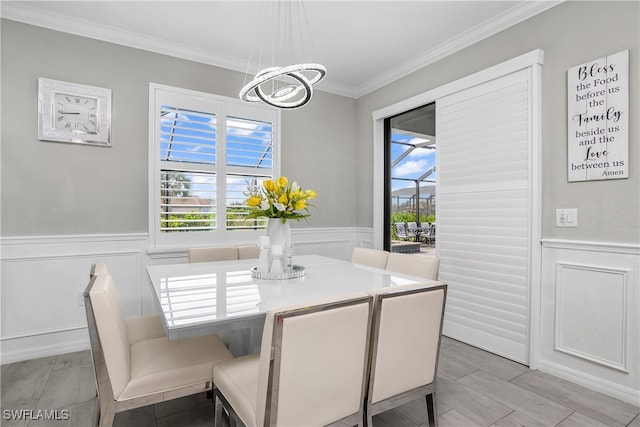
<point>414,231</point>
<point>430,235</point>
<point>401,230</point>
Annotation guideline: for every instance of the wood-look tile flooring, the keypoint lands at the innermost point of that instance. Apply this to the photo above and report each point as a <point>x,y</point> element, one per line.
<point>475,388</point>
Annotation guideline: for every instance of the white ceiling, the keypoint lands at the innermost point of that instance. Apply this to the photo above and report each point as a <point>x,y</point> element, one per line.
<point>363,44</point>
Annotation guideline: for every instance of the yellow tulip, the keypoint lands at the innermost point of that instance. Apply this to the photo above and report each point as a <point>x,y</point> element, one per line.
<point>269,185</point>
<point>300,204</point>
<point>311,194</point>
<point>254,201</point>
<point>283,199</point>
<point>283,181</point>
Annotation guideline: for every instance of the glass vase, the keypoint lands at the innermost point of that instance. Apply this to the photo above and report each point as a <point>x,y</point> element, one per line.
<point>280,241</point>
<point>279,233</point>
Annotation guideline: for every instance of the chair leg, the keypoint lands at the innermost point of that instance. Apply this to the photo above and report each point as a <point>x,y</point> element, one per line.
<point>432,413</point>
<point>218,410</point>
<point>107,415</point>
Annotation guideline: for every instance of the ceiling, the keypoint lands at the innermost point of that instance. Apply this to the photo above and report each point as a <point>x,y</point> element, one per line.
<point>363,44</point>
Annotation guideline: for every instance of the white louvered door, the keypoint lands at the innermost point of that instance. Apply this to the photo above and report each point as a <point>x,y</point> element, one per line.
<point>484,213</point>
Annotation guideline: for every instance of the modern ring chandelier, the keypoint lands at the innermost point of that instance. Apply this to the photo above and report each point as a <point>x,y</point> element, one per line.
<point>288,86</point>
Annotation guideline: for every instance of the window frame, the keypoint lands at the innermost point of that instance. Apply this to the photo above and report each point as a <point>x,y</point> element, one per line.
<point>223,107</point>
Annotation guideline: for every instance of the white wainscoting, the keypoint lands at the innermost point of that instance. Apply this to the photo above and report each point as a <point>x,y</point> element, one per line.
<point>42,279</point>
<point>42,283</point>
<point>591,315</point>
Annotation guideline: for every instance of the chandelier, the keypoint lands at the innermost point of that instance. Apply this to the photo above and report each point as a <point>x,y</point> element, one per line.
<point>289,86</point>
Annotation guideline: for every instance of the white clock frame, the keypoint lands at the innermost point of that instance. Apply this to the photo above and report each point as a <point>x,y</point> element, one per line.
<point>47,130</point>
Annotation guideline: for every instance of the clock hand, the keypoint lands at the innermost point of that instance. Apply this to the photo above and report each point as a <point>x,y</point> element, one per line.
<point>63,112</point>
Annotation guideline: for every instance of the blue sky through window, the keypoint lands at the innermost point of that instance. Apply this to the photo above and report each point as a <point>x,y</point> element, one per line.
<point>414,165</point>
<point>192,136</point>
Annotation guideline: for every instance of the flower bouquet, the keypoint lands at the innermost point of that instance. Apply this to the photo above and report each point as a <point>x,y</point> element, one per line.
<point>279,199</point>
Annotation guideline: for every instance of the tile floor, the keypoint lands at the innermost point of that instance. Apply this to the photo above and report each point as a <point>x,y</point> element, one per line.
<point>475,388</point>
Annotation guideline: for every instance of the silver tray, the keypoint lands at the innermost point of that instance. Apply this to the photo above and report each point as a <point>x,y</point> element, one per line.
<point>297,271</point>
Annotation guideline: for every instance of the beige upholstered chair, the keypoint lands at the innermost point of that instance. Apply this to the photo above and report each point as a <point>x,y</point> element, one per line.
<point>405,343</point>
<point>137,372</point>
<point>311,370</point>
<point>214,253</point>
<point>98,268</point>
<point>138,327</point>
<point>248,252</point>
<point>370,257</point>
<point>420,266</point>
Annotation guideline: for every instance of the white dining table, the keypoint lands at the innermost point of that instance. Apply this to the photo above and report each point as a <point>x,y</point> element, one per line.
<point>222,297</point>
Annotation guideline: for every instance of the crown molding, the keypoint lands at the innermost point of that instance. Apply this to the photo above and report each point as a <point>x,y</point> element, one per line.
<point>501,22</point>
<point>24,13</point>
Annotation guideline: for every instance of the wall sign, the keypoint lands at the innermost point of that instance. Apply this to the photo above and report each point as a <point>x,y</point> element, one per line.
<point>598,123</point>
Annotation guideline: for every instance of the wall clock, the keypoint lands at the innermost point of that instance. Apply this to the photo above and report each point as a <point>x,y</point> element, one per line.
<point>70,112</point>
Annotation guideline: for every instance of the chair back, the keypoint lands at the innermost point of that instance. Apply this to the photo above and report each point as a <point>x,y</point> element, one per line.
<point>214,253</point>
<point>407,326</point>
<point>98,268</point>
<point>108,330</point>
<point>313,362</point>
<point>370,257</point>
<point>413,265</point>
<point>248,252</point>
<point>401,230</point>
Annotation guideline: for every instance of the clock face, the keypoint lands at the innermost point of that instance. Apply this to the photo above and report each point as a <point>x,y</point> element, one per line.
<point>72,112</point>
<point>75,113</point>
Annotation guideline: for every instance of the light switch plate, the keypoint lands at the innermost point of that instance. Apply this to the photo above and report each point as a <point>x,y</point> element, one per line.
<point>567,217</point>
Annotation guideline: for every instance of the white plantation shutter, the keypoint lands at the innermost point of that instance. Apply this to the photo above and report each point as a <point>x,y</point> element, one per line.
<point>484,213</point>
<point>249,152</point>
<point>187,201</point>
<point>205,151</point>
<point>249,143</point>
<point>187,178</point>
<point>187,135</point>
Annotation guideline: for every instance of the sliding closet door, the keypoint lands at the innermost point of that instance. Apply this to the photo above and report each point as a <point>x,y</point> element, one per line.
<point>484,213</point>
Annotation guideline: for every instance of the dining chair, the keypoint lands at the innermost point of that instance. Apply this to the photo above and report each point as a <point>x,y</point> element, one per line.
<point>248,252</point>
<point>134,374</point>
<point>311,369</point>
<point>405,343</point>
<point>98,268</point>
<point>413,265</point>
<point>138,327</point>
<point>213,253</point>
<point>371,257</point>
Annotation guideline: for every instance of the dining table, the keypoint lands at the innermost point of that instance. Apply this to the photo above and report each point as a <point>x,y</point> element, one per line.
<point>228,299</point>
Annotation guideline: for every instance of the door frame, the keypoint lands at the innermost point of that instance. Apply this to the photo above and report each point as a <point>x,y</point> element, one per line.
<point>533,61</point>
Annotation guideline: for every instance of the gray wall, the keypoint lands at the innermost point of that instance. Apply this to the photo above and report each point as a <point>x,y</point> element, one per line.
<point>67,189</point>
<point>570,34</point>
<point>57,189</point>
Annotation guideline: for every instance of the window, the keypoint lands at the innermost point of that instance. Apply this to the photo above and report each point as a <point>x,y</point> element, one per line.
<point>205,150</point>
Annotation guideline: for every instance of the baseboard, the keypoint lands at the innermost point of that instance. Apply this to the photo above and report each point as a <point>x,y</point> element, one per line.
<point>43,345</point>
<point>589,315</point>
<point>626,394</point>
